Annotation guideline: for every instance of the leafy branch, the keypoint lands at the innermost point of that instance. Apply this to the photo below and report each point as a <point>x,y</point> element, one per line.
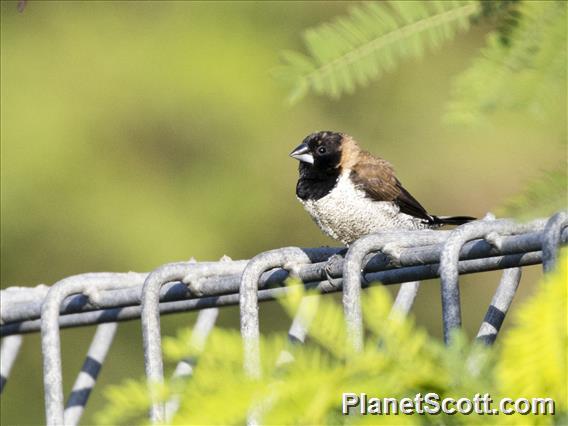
<point>355,49</point>
<point>522,68</point>
<point>542,196</point>
<point>525,71</point>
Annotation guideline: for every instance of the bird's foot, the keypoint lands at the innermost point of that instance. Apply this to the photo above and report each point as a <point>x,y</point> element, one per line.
<point>333,268</point>
<point>94,296</point>
<point>495,240</point>
<point>392,252</point>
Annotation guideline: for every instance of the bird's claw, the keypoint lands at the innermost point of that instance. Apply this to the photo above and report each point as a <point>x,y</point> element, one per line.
<point>495,240</point>
<point>94,297</point>
<point>392,252</point>
<point>333,264</point>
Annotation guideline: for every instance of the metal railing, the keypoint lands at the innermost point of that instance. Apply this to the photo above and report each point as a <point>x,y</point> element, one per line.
<point>388,258</point>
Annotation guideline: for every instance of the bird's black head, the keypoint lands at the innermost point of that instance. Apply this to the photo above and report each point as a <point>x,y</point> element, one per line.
<point>321,150</point>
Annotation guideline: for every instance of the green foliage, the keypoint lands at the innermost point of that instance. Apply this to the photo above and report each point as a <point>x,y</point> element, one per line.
<point>544,195</point>
<point>357,48</point>
<point>127,401</point>
<point>523,68</point>
<point>129,147</point>
<point>502,13</point>
<point>542,323</point>
<point>399,360</point>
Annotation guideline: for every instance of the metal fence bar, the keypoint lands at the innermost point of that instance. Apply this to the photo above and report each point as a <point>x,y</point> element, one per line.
<point>8,353</point>
<point>289,258</point>
<point>302,321</point>
<point>551,239</point>
<point>150,318</point>
<point>405,257</point>
<point>190,273</point>
<point>296,335</point>
<point>87,377</point>
<point>386,277</point>
<point>88,300</point>
<point>449,259</point>
<point>50,338</point>
<point>248,299</point>
<point>16,295</point>
<point>203,326</point>
<point>299,328</point>
<point>11,313</point>
<point>405,298</point>
<point>499,305</point>
<point>353,266</point>
<point>201,330</point>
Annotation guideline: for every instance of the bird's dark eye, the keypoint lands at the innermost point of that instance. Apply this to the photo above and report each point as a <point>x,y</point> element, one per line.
<point>321,150</point>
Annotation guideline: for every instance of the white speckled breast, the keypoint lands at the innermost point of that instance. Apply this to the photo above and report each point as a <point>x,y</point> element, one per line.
<point>347,214</point>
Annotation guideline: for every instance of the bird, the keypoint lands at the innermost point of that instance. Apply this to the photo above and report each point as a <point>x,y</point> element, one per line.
<point>350,193</point>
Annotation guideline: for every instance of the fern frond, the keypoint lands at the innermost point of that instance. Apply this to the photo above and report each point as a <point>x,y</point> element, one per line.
<point>357,48</point>
<point>527,72</point>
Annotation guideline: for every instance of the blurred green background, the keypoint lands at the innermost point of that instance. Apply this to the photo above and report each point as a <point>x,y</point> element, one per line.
<point>139,133</point>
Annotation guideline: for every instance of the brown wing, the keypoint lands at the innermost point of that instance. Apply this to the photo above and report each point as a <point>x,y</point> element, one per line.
<point>376,177</point>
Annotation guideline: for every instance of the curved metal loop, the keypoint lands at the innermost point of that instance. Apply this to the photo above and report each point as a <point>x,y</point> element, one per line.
<point>551,239</point>
<point>231,298</point>
<point>248,300</point>
<point>418,263</point>
<point>353,266</point>
<point>449,258</point>
<point>150,316</point>
<point>50,338</point>
<point>21,317</point>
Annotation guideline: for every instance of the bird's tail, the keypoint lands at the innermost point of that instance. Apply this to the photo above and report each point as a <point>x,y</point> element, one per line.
<point>451,220</point>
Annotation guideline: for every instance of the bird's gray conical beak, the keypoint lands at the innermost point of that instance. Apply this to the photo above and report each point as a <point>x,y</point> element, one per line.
<point>302,153</point>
